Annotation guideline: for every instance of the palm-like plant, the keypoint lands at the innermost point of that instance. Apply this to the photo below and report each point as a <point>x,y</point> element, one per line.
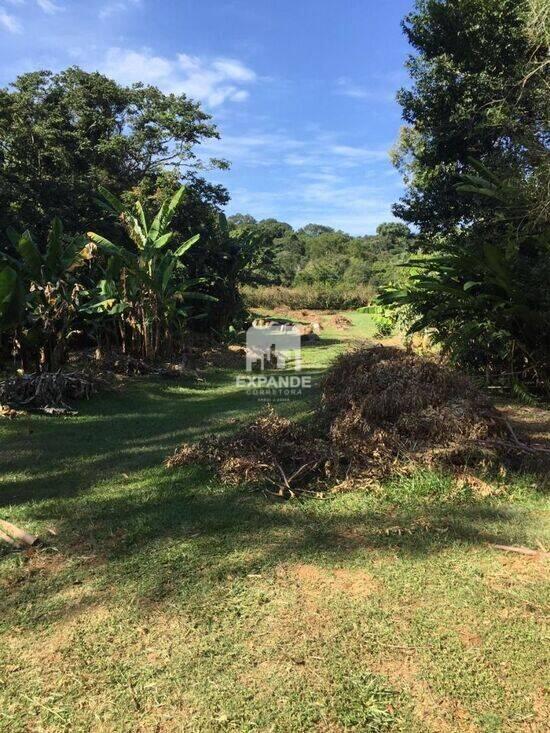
<point>486,297</point>
<point>145,288</point>
<point>39,294</point>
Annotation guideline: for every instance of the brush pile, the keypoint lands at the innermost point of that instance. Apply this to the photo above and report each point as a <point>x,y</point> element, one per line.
<point>270,449</point>
<point>48,391</point>
<point>382,411</point>
<point>115,362</point>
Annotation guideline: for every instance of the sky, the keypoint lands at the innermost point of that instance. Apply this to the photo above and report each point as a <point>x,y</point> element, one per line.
<point>302,91</point>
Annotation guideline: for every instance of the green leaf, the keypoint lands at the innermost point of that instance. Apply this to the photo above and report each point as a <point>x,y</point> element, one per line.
<point>167,274</point>
<point>54,249</point>
<point>163,240</point>
<point>13,235</point>
<point>175,201</point>
<point>466,188</point>
<point>486,172</point>
<point>134,229</point>
<point>112,201</point>
<point>12,298</point>
<point>142,217</point>
<point>187,295</point>
<point>182,249</point>
<point>109,247</point>
<point>496,260</point>
<point>30,255</point>
<point>158,222</point>
<point>8,279</point>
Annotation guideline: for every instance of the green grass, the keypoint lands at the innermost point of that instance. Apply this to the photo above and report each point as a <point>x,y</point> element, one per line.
<point>168,602</point>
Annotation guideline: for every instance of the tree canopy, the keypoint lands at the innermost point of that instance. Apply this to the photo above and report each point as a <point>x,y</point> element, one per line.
<point>64,135</point>
<point>472,96</point>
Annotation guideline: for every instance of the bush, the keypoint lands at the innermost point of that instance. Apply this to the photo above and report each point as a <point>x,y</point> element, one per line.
<point>484,298</point>
<point>384,319</point>
<point>322,297</point>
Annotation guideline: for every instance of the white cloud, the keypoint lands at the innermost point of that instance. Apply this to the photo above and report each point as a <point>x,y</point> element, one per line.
<point>314,177</point>
<point>117,6</point>
<point>253,150</point>
<point>12,24</point>
<point>354,208</point>
<point>48,6</point>
<point>354,155</point>
<point>348,88</point>
<point>241,95</point>
<point>9,22</point>
<point>213,82</point>
<point>233,69</point>
<point>318,152</point>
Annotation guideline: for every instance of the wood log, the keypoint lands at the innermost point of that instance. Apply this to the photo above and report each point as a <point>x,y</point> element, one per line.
<point>19,535</point>
<point>6,538</point>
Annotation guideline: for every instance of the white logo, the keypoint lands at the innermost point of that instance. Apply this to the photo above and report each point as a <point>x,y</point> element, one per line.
<point>269,343</point>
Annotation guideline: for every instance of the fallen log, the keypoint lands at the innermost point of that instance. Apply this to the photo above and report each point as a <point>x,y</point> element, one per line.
<point>18,535</point>
<point>6,538</point>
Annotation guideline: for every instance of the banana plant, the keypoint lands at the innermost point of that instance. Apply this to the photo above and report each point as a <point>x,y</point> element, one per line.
<point>39,294</point>
<point>145,288</point>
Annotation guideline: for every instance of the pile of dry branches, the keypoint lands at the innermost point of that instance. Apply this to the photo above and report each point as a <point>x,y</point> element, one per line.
<point>48,391</point>
<point>382,411</point>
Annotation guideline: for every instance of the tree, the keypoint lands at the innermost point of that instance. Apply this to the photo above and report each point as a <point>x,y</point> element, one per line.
<point>260,241</point>
<point>396,236</point>
<point>63,135</point>
<point>291,257</point>
<point>240,220</point>
<point>313,230</point>
<point>486,300</point>
<point>471,96</point>
<point>476,158</point>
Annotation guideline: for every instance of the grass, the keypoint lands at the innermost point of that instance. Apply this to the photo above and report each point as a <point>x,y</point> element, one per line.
<point>168,602</point>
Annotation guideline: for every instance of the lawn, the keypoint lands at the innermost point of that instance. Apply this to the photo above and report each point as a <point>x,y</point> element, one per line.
<point>168,602</point>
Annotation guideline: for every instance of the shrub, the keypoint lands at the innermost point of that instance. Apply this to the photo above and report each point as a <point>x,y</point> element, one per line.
<point>384,319</point>
<point>142,300</point>
<point>322,297</point>
<point>40,291</point>
<point>484,298</point>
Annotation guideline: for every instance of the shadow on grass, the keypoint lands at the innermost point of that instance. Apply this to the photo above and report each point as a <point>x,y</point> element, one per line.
<point>151,533</point>
<point>115,434</point>
<point>181,534</point>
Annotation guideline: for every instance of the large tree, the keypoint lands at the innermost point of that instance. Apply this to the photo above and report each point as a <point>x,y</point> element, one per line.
<point>475,93</point>
<point>476,154</point>
<point>63,135</point>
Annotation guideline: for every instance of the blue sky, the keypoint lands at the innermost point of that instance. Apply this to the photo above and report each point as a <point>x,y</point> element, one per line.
<point>302,91</point>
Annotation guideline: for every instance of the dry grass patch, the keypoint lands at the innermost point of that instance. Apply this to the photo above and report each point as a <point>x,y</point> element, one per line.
<point>312,579</point>
<point>436,713</point>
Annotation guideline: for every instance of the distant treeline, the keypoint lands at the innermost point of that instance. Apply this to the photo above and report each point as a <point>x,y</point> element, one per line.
<point>322,266</point>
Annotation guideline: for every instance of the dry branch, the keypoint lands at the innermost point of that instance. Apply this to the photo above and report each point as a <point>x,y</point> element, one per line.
<point>48,391</point>
<point>521,550</point>
<point>383,411</point>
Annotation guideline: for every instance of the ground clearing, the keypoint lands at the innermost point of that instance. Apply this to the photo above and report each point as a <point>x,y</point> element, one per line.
<point>168,602</point>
